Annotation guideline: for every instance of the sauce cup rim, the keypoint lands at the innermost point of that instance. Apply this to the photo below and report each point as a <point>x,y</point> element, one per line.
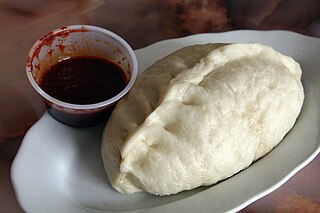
<point>87,28</point>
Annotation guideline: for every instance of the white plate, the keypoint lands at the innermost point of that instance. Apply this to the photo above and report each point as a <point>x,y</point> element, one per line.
<point>59,169</point>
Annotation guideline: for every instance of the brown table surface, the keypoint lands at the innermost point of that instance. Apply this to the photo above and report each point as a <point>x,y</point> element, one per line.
<point>140,22</point>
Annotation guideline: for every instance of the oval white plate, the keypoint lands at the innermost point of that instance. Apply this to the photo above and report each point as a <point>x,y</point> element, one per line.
<point>59,169</point>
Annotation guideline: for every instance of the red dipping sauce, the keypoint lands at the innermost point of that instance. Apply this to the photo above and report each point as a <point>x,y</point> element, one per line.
<point>83,80</point>
<point>81,72</point>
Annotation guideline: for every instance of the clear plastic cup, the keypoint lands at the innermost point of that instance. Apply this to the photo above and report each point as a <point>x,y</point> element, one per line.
<point>73,41</point>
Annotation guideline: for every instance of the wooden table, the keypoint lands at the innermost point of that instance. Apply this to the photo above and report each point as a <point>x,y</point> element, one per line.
<point>140,22</point>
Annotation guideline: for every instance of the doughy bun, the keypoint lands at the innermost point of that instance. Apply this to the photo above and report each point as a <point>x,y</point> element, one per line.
<point>200,115</point>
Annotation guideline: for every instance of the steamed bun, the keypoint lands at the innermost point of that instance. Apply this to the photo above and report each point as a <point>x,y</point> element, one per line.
<point>200,115</point>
